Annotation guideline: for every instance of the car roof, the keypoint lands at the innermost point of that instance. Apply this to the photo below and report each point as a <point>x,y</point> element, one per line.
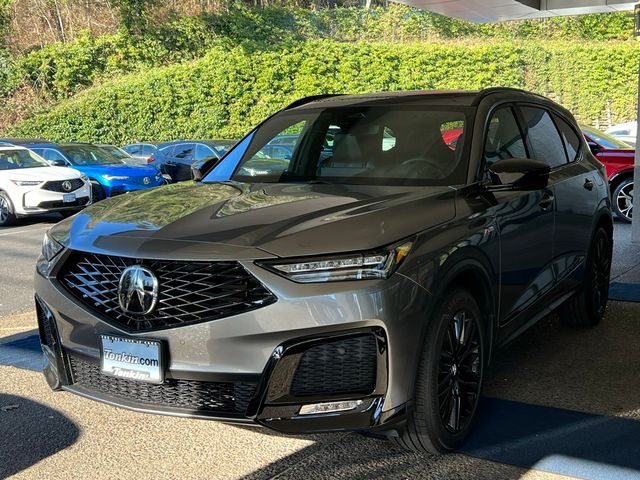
<point>428,97</point>
<point>25,141</point>
<point>11,147</point>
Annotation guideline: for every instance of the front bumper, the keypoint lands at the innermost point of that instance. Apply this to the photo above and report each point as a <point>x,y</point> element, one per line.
<point>253,357</point>
<point>32,201</point>
<point>114,188</point>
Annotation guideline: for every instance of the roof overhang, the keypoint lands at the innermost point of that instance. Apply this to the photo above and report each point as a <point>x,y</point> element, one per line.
<point>499,10</point>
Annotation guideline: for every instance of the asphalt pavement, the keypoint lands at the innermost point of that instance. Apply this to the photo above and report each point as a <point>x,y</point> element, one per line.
<point>19,248</point>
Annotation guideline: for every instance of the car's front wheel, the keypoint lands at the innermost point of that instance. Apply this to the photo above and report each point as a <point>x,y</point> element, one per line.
<point>623,200</point>
<point>449,378</point>
<point>97,192</point>
<point>587,306</point>
<point>7,214</point>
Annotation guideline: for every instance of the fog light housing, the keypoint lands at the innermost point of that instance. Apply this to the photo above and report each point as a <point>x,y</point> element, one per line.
<point>329,407</point>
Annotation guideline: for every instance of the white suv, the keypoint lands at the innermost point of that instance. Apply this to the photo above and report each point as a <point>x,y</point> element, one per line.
<point>29,186</point>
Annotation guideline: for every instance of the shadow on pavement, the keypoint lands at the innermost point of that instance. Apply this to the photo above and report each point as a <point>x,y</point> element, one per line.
<point>22,351</point>
<point>30,432</point>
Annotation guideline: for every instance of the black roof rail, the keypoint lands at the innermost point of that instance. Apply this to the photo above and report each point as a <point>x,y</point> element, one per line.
<point>310,99</point>
<point>488,91</point>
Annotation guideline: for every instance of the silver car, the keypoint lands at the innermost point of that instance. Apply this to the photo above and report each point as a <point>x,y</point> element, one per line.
<point>362,284</point>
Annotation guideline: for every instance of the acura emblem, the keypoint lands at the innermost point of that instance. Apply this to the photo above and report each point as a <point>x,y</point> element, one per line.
<point>137,290</point>
<point>66,186</point>
<point>146,180</point>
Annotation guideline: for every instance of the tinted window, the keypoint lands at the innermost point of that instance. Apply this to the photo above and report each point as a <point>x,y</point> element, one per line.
<point>202,152</point>
<point>132,149</point>
<point>184,151</point>
<point>88,155</point>
<point>504,139</point>
<point>50,154</point>
<point>605,140</point>
<point>570,138</point>
<point>16,159</point>
<point>147,150</point>
<point>543,138</point>
<point>361,144</point>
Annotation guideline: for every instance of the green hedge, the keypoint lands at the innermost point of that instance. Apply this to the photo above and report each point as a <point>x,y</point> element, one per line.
<point>60,70</point>
<point>230,90</point>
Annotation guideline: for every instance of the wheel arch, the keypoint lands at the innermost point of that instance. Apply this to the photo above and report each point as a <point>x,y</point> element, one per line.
<point>618,178</point>
<point>469,268</point>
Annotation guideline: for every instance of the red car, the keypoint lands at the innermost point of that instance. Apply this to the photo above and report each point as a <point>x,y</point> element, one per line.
<point>618,159</point>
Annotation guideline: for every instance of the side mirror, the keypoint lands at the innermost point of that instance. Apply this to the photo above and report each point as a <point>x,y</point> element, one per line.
<point>200,168</point>
<point>57,163</point>
<point>518,174</point>
<point>594,147</point>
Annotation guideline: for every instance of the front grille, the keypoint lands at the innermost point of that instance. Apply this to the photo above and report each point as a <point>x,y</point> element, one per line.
<point>188,292</point>
<point>336,367</point>
<point>211,397</point>
<point>56,186</point>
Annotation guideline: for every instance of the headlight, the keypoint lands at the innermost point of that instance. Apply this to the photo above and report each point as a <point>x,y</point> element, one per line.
<point>50,248</point>
<point>84,178</point>
<point>115,177</point>
<point>26,183</point>
<point>359,266</point>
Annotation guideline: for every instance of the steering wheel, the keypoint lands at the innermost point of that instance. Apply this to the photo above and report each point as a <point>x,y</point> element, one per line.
<point>433,166</point>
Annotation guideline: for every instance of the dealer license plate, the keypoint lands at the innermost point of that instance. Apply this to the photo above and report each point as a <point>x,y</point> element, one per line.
<point>131,358</point>
<point>68,197</point>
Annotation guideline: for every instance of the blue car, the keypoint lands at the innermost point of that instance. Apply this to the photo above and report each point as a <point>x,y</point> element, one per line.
<point>109,175</point>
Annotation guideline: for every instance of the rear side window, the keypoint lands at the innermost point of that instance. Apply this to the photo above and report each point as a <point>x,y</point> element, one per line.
<point>132,149</point>
<point>147,150</point>
<point>543,138</point>
<point>184,151</point>
<point>504,139</point>
<point>569,137</point>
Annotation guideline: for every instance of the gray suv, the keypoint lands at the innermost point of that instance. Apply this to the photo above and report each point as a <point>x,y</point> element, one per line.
<point>362,284</point>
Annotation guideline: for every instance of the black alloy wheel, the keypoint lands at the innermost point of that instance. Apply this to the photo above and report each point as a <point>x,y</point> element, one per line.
<point>460,372</point>
<point>449,378</point>
<point>587,306</point>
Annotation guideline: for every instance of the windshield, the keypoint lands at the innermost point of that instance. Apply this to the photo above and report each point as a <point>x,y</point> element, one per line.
<point>368,145</point>
<point>88,155</point>
<point>605,140</point>
<point>15,159</point>
<point>115,151</point>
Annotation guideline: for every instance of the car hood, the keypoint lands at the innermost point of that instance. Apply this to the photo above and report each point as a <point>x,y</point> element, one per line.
<point>45,174</point>
<point>118,169</point>
<point>224,220</point>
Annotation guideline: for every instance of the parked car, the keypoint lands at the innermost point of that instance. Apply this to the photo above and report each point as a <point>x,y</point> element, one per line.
<point>141,152</point>
<point>625,132</point>
<point>109,176</point>
<point>120,154</point>
<point>618,159</point>
<point>30,186</point>
<point>364,291</point>
<point>175,159</point>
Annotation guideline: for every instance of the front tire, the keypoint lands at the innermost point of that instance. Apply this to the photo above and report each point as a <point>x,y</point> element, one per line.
<point>449,379</point>
<point>97,192</point>
<point>586,308</point>
<point>7,213</point>
<point>623,200</point>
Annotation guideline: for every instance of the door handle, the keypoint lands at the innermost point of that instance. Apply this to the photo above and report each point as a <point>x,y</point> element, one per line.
<point>546,201</point>
<point>588,184</point>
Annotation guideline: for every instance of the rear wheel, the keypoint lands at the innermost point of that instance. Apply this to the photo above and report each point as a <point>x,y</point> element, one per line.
<point>7,214</point>
<point>449,378</point>
<point>588,305</point>
<point>623,200</point>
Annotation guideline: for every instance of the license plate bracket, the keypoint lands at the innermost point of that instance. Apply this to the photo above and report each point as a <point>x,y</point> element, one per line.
<point>136,359</point>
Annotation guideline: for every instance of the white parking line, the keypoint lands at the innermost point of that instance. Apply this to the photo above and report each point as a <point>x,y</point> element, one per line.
<point>25,230</point>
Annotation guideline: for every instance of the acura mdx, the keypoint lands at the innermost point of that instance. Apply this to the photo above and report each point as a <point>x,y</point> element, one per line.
<point>362,284</point>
